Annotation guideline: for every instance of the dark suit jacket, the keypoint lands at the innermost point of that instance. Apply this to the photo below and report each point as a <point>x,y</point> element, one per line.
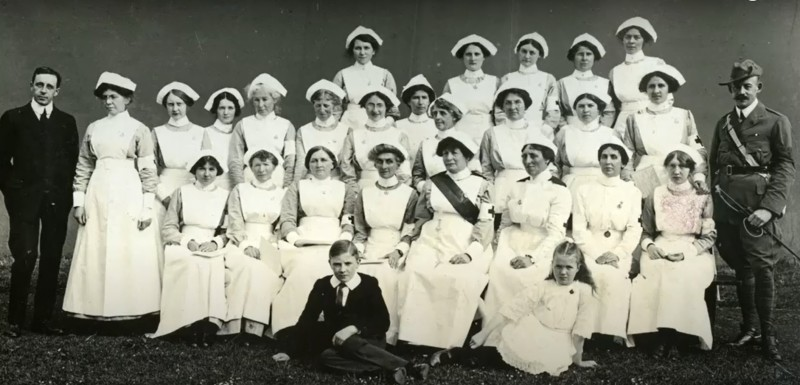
<point>364,309</point>
<point>766,135</point>
<point>37,160</point>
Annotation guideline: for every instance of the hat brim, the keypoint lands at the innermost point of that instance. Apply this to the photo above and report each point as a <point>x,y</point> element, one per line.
<point>740,78</point>
<point>450,141</point>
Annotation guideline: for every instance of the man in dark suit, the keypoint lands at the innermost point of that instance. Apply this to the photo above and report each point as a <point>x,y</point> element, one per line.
<point>751,163</point>
<point>352,335</point>
<point>38,152</point>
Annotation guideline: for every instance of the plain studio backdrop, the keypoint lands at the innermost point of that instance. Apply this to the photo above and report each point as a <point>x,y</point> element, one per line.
<point>213,44</point>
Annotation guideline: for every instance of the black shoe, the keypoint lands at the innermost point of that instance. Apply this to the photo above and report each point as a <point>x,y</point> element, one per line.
<point>13,331</point>
<point>399,376</point>
<point>419,371</point>
<point>769,347</point>
<point>44,328</point>
<point>746,337</point>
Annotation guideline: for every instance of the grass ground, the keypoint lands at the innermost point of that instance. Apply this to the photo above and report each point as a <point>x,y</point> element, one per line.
<point>96,359</point>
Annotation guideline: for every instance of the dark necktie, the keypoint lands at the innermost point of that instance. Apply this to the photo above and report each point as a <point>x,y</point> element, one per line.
<point>741,117</point>
<point>340,294</point>
<point>43,118</point>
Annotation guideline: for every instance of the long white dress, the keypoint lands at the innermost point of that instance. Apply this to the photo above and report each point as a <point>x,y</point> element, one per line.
<point>114,273</point>
<point>384,221</point>
<point>194,285</point>
<point>605,218</point>
<point>533,223</point>
<point>355,164</point>
<point>541,87</point>
<point>577,145</point>
<point>545,318</point>
<point>427,163</point>
<point>314,213</point>
<point>219,138</point>
<point>439,299</point>
<point>418,128</point>
<point>500,157</point>
<point>356,80</point>
<point>251,284</point>
<point>273,133</point>
<point>624,79</point>
<point>476,90</point>
<point>577,84</point>
<point>653,131</point>
<point>176,143</point>
<point>670,294</point>
<point>330,134</point>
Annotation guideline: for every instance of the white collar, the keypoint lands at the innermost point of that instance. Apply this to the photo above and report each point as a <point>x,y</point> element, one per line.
<point>463,174</point>
<point>351,284</point>
<point>391,182</point>
<point>266,185</point>
<point>747,110</point>
<point>315,180</point>
<point>363,67</point>
<point>414,118</point>
<point>528,70</point>
<point>659,107</point>
<point>473,74</point>
<point>123,114</point>
<point>328,123</point>
<point>680,188</point>
<point>583,74</point>
<point>588,127</point>
<point>610,181</point>
<point>38,109</point>
<point>635,58</point>
<point>542,177</point>
<point>443,134</point>
<point>226,128</point>
<point>516,124</point>
<point>211,186</point>
<point>379,124</point>
<point>180,122</point>
<point>270,116</point>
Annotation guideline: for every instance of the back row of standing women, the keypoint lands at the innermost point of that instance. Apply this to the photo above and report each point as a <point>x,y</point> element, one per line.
<point>346,175</point>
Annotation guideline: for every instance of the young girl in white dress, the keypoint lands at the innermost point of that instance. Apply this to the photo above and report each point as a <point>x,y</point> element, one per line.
<point>193,293</point>
<point>543,328</point>
<point>252,271</point>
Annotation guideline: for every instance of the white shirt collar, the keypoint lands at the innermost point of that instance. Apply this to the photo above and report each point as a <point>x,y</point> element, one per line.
<point>443,134</point>
<point>315,180</point>
<point>543,177</point>
<point>180,122</point>
<point>637,57</point>
<point>226,128</point>
<point>745,111</point>
<point>351,284</point>
<point>516,124</point>
<point>463,174</point>
<point>38,109</point>
<point>391,182</point>
<point>363,67</point>
<point>123,114</point>
<point>528,70</point>
<point>379,124</point>
<point>330,122</point>
<point>610,181</point>
<point>210,187</point>
<point>414,118</point>
<point>266,185</point>
<point>659,107</point>
<point>582,74</point>
<point>270,116</point>
<point>473,74</point>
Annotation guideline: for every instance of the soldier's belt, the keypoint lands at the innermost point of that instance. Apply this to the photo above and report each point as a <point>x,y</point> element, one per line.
<point>739,170</point>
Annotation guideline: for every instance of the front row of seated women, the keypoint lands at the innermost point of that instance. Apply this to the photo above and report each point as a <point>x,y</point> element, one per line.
<point>432,254</point>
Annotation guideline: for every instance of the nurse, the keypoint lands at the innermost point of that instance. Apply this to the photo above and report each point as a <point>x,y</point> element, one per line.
<point>325,130</point>
<point>585,51</point>
<point>540,85</point>
<point>418,96</point>
<point>225,104</point>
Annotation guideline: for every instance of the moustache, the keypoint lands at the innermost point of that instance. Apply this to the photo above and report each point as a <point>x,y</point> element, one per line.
<point>741,97</point>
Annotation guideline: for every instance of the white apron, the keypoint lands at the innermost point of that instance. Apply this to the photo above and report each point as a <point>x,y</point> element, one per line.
<point>221,145</point>
<point>508,149</point>
<point>114,273</point>
<point>574,87</point>
<point>626,77</point>
<point>479,101</point>
<point>302,266</point>
<point>194,286</point>
<point>660,133</point>
<point>535,84</point>
<point>581,151</point>
<point>364,140</point>
<point>268,133</point>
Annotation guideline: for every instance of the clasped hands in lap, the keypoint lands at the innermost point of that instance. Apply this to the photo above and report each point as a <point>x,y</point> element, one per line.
<point>195,246</point>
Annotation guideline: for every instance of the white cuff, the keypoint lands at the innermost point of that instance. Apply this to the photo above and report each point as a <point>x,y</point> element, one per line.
<point>219,241</point>
<point>403,247</point>
<point>144,162</point>
<point>78,198</point>
<point>360,247</point>
<point>161,192</point>
<point>646,243</point>
<point>346,235</point>
<point>346,220</point>
<point>292,237</point>
<point>475,249</point>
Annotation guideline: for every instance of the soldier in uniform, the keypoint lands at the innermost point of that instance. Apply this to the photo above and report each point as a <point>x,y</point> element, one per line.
<point>751,162</point>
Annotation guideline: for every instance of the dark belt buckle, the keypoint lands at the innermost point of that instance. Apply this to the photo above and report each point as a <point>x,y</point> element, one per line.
<point>728,170</point>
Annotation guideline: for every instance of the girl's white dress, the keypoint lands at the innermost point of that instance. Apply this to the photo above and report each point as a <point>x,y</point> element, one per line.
<point>114,273</point>
<point>545,318</point>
